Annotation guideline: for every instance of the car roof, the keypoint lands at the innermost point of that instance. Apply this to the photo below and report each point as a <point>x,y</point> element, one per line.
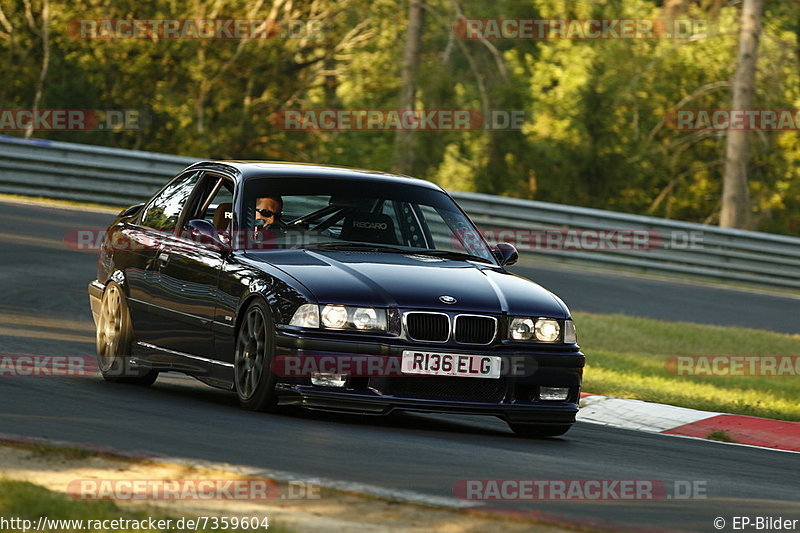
<point>244,170</point>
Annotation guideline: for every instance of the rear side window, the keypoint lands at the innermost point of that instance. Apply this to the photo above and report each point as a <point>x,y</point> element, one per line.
<point>163,211</point>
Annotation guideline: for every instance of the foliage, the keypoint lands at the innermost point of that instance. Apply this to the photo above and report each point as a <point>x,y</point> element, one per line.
<point>594,135</point>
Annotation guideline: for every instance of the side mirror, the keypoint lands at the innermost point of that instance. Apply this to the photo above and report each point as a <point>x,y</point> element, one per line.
<point>505,253</point>
<point>204,232</point>
<point>132,210</point>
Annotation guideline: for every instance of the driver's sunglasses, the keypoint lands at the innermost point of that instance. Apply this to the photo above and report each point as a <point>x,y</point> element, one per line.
<point>267,213</point>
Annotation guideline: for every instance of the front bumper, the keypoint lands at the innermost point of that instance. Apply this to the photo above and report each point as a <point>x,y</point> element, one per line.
<point>562,413</point>
<point>95,290</point>
<point>514,398</point>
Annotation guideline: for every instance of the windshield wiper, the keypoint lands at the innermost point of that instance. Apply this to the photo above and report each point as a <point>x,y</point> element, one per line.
<point>360,246</point>
<point>455,255</point>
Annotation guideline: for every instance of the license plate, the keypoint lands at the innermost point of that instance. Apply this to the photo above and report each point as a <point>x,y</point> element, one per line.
<point>451,364</point>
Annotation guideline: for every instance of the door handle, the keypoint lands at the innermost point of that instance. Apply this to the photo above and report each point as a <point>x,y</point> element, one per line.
<point>163,258</point>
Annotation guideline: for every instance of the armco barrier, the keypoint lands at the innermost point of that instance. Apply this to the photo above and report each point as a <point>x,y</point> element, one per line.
<point>122,177</point>
<point>82,172</point>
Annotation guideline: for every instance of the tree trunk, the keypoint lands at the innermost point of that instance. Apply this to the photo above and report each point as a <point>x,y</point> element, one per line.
<point>674,8</point>
<point>735,196</point>
<point>403,152</point>
<point>45,35</point>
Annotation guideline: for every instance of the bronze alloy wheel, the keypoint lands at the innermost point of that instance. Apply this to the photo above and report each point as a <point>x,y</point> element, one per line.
<point>114,339</point>
<point>111,329</point>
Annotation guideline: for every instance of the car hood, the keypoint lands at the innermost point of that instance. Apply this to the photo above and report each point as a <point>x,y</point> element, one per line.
<point>412,281</point>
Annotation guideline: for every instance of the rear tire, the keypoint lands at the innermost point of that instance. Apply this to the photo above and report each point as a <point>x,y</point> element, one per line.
<point>115,338</point>
<point>539,430</point>
<point>253,379</point>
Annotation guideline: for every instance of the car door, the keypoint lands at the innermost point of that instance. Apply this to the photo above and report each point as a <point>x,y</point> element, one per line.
<point>143,238</point>
<point>189,270</point>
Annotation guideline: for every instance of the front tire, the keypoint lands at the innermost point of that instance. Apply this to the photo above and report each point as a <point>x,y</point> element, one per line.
<point>539,430</point>
<point>115,338</point>
<point>255,346</point>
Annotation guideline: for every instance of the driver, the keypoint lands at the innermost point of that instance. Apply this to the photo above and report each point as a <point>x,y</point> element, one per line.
<point>268,209</point>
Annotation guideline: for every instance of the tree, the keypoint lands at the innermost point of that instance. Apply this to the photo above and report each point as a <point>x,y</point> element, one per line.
<point>735,196</point>
<point>595,131</point>
<point>403,152</point>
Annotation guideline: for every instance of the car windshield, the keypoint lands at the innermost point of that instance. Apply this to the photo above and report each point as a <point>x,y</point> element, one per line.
<point>331,213</point>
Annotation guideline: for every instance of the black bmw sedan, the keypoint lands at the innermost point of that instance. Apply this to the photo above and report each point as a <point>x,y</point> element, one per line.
<point>330,288</point>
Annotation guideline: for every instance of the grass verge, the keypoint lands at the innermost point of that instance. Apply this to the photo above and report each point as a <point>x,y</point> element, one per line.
<point>627,357</point>
<point>46,450</point>
<point>55,202</point>
<point>26,501</point>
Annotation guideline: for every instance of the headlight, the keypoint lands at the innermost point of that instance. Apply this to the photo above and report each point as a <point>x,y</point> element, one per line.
<point>547,330</point>
<point>521,329</point>
<point>540,329</point>
<point>306,316</point>
<point>365,318</point>
<point>340,317</point>
<point>570,335</point>
<point>334,316</point>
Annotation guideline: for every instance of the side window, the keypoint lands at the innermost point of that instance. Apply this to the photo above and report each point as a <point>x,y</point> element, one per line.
<point>163,211</point>
<point>296,206</point>
<point>218,209</point>
<point>390,208</point>
<point>439,229</point>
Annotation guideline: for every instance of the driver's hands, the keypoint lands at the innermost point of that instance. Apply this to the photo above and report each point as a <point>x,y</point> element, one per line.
<point>265,235</point>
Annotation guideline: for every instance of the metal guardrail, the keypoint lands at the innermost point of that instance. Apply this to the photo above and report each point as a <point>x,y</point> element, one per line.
<point>716,253</point>
<point>122,177</point>
<point>82,172</point>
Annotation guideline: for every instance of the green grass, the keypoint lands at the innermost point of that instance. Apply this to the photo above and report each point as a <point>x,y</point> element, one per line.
<point>720,435</point>
<point>27,501</point>
<point>46,450</point>
<point>625,357</point>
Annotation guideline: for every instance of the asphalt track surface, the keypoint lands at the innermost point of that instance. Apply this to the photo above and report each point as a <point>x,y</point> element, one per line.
<point>44,311</point>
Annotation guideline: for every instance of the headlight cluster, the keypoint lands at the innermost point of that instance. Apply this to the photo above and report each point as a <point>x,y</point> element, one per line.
<point>541,329</point>
<point>339,317</point>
